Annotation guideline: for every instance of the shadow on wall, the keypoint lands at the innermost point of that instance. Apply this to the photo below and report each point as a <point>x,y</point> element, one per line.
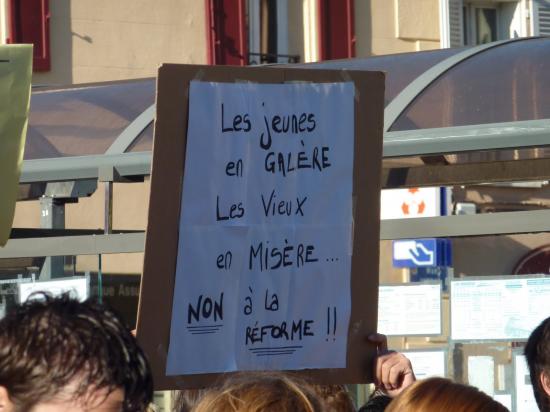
<point>493,255</point>
<point>363,27</point>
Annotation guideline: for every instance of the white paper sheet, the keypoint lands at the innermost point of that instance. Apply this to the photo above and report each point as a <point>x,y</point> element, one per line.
<point>525,398</point>
<point>427,364</point>
<point>409,309</point>
<point>264,255</point>
<point>77,287</point>
<point>481,373</point>
<point>498,308</point>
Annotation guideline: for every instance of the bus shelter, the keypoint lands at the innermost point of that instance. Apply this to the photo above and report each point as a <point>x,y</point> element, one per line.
<point>473,120</point>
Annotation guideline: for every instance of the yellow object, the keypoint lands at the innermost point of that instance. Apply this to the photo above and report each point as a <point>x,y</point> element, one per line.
<point>15,93</point>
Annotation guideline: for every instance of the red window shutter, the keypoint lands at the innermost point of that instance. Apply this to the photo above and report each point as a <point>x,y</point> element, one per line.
<point>227,32</point>
<point>30,23</point>
<point>336,31</point>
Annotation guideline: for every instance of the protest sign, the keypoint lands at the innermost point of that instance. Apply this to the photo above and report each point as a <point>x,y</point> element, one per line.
<point>262,241</point>
<point>15,93</point>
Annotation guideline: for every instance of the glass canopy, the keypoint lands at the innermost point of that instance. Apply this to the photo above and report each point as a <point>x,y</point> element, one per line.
<point>401,69</point>
<point>84,120</point>
<point>498,93</point>
<point>505,82</point>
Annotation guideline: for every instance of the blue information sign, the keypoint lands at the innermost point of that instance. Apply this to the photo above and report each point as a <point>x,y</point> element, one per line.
<point>414,253</point>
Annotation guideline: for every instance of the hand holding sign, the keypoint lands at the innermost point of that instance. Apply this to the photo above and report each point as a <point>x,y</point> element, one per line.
<point>393,370</point>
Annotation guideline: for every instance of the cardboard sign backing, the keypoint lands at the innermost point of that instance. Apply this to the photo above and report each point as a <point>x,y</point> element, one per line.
<point>157,286</point>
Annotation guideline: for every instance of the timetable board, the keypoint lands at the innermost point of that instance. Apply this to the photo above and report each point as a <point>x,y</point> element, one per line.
<point>410,309</point>
<point>498,309</point>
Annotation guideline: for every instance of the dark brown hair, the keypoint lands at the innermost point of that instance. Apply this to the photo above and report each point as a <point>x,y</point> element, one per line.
<point>439,394</point>
<point>261,392</point>
<point>49,344</point>
<point>537,354</point>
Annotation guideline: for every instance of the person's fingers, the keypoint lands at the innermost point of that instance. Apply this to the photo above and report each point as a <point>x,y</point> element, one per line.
<point>391,363</point>
<point>379,365</point>
<point>397,374</point>
<point>377,371</point>
<point>381,343</point>
<point>383,364</point>
<point>380,340</point>
<point>408,380</point>
<point>392,369</point>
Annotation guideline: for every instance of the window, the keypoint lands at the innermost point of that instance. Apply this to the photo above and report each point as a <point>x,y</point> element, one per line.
<point>269,32</point>
<point>336,34</point>
<point>242,32</point>
<point>486,25</point>
<point>226,31</point>
<point>480,24</point>
<point>541,18</point>
<point>470,22</point>
<point>29,23</point>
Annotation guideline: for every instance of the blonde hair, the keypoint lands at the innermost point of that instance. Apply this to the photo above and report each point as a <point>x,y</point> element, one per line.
<point>261,392</point>
<point>438,394</point>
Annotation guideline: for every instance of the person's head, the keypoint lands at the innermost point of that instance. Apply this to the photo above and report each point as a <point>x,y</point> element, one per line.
<point>439,394</point>
<point>59,354</point>
<point>537,353</point>
<point>186,399</point>
<point>335,397</point>
<point>261,392</point>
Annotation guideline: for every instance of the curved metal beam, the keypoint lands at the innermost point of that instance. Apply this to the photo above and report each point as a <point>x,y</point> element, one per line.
<point>132,131</point>
<point>490,136</point>
<point>85,167</point>
<point>74,245</point>
<point>482,224</point>
<point>408,94</point>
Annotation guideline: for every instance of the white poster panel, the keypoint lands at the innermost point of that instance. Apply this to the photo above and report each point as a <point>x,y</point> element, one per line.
<point>492,309</point>
<point>77,287</point>
<point>481,373</point>
<point>427,364</point>
<point>412,309</point>
<point>525,399</point>
<point>265,238</point>
<point>410,203</point>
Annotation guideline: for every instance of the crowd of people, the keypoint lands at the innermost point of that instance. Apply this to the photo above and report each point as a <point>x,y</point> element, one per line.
<point>59,354</point>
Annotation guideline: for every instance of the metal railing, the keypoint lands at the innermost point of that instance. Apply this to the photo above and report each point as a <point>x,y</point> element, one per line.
<point>266,58</point>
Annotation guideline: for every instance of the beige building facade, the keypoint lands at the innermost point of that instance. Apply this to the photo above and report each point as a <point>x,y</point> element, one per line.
<point>98,40</point>
<point>387,27</point>
<point>93,41</point>
<point>101,40</point>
